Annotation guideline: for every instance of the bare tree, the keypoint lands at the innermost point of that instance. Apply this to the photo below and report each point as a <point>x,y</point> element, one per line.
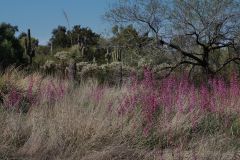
<point>205,26</point>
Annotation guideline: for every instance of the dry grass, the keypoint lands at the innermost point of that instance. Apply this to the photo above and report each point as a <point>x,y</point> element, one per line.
<point>83,125</point>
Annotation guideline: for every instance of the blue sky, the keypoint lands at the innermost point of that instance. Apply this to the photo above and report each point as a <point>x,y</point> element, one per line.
<point>44,15</point>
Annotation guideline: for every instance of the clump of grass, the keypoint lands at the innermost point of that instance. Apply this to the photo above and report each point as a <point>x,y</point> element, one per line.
<point>20,91</point>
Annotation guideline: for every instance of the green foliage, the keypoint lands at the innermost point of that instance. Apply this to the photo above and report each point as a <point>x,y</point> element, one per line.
<point>60,38</point>
<point>106,73</point>
<point>63,38</point>
<point>126,36</point>
<point>81,65</point>
<point>40,59</point>
<point>210,124</point>
<point>133,46</point>
<point>153,140</point>
<point>62,55</point>
<point>42,50</point>
<point>22,38</point>
<point>235,127</point>
<point>80,42</point>
<point>75,53</point>
<point>94,54</point>
<point>49,67</point>
<point>11,52</point>
<point>127,41</point>
<point>84,35</point>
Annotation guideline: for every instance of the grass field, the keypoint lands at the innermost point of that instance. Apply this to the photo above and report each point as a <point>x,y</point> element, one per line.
<point>47,118</point>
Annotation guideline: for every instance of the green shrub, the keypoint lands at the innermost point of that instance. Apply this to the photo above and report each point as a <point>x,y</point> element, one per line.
<point>75,53</point>
<point>107,73</point>
<point>49,67</point>
<point>81,65</point>
<point>235,127</point>
<point>62,55</point>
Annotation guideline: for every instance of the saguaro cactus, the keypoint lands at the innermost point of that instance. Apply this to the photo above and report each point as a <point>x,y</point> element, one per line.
<point>29,47</point>
<point>82,44</point>
<point>116,54</point>
<point>72,70</point>
<point>108,56</point>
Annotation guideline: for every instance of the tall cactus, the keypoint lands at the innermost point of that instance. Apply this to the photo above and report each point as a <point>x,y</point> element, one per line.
<point>82,44</point>
<point>108,56</point>
<point>29,49</point>
<point>116,55</point>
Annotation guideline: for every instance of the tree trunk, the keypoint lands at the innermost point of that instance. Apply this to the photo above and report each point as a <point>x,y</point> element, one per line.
<point>30,60</point>
<point>206,67</point>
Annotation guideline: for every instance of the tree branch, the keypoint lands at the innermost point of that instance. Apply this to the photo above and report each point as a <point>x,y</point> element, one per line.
<point>228,62</point>
<point>172,68</point>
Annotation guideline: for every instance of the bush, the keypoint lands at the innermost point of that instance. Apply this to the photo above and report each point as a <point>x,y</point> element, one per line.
<point>107,73</point>
<point>49,67</point>
<point>62,55</point>
<point>75,53</point>
<point>40,60</point>
<point>81,65</point>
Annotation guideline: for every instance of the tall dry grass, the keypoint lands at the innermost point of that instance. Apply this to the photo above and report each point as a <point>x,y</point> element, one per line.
<point>140,120</point>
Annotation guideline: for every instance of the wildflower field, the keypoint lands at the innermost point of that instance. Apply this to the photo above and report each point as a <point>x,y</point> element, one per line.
<point>48,118</point>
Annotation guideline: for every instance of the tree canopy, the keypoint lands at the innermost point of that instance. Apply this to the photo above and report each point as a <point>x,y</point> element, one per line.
<point>11,51</point>
<point>63,38</point>
<point>60,37</point>
<point>205,26</point>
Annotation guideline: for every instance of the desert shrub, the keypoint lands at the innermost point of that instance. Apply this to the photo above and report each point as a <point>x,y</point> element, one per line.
<point>145,62</point>
<point>58,64</point>
<point>112,72</point>
<point>40,59</point>
<point>80,65</point>
<point>43,50</point>
<point>49,67</point>
<point>89,71</point>
<point>62,55</point>
<point>75,53</point>
<point>107,73</point>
